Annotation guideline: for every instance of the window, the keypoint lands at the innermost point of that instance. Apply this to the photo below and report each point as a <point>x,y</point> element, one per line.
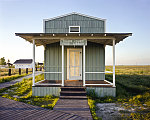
<point>74,29</point>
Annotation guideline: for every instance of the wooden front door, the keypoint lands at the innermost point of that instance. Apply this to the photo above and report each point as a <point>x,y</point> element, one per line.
<point>75,64</point>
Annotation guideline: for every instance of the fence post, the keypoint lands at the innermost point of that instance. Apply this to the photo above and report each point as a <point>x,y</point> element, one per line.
<point>19,71</point>
<point>26,70</point>
<point>9,72</point>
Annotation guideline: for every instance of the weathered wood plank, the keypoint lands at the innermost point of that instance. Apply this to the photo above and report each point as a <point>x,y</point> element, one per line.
<point>14,110</point>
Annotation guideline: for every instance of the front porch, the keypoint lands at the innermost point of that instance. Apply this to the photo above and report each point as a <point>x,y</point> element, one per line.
<point>46,87</point>
<point>74,60</point>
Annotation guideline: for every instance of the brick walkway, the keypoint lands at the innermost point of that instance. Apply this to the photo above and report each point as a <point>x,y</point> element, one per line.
<point>8,84</point>
<point>14,110</point>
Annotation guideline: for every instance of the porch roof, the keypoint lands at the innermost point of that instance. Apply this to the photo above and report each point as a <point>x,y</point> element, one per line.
<point>48,38</point>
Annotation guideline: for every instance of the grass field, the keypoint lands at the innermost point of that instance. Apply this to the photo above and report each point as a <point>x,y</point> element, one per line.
<point>22,92</point>
<point>131,80</point>
<point>4,77</point>
<point>132,90</point>
<point>130,69</point>
<point>14,71</point>
<point>132,85</point>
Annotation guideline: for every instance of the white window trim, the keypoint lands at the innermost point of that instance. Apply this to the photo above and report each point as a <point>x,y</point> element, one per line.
<point>74,26</point>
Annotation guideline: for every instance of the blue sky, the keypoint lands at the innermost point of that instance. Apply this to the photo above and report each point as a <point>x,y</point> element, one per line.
<point>26,16</point>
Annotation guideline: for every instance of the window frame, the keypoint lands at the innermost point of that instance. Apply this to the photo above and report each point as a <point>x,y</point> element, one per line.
<point>74,26</point>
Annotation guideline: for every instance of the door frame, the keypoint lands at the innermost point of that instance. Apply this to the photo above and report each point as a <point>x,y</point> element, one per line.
<point>68,62</point>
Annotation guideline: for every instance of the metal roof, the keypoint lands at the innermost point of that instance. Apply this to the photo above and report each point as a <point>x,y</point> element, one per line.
<point>48,38</point>
<point>75,13</point>
<point>23,61</point>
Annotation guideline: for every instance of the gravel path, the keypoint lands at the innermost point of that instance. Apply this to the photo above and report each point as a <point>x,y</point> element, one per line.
<point>8,84</point>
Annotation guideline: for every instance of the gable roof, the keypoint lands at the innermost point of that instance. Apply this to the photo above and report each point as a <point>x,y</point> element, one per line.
<point>75,13</point>
<point>23,61</point>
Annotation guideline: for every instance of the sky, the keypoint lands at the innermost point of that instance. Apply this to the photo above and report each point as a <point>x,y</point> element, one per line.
<point>122,16</point>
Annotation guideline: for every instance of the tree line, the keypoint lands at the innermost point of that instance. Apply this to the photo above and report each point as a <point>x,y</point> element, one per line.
<point>3,61</point>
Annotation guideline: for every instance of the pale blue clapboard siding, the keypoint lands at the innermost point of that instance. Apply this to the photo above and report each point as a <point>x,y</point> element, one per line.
<point>95,61</point>
<point>102,91</point>
<point>43,91</point>
<point>87,24</point>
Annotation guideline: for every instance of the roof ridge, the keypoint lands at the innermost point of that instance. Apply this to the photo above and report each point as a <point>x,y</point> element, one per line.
<point>23,61</point>
<point>74,13</point>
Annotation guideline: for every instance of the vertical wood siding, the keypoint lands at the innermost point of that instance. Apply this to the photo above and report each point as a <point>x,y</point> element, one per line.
<point>99,91</point>
<point>95,61</point>
<point>87,25</point>
<point>102,91</point>
<point>43,91</point>
<point>53,61</point>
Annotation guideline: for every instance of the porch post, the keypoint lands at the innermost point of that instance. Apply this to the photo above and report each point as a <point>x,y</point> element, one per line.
<point>33,63</point>
<point>113,62</point>
<point>62,65</point>
<point>83,65</point>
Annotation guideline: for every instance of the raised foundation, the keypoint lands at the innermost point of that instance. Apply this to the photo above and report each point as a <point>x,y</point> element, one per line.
<point>43,91</point>
<point>102,91</point>
<point>102,88</point>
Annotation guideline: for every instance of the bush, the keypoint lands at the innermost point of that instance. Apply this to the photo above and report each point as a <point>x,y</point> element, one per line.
<point>93,109</point>
<point>91,93</point>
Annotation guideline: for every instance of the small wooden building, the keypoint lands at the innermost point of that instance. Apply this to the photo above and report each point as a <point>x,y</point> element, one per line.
<point>74,54</point>
<point>23,63</point>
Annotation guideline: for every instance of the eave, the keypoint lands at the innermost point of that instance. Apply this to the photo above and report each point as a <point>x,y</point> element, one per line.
<point>48,38</point>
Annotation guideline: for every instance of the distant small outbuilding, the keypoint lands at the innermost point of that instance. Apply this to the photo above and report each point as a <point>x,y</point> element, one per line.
<point>23,63</point>
<point>40,64</point>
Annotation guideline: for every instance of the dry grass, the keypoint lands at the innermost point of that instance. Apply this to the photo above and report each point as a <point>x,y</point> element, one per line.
<point>4,72</point>
<point>131,70</point>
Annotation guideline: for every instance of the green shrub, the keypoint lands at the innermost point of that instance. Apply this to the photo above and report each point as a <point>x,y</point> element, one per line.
<point>91,93</point>
<point>93,109</point>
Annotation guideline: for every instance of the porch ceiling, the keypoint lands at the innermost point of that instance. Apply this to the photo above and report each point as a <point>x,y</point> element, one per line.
<point>47,38</point>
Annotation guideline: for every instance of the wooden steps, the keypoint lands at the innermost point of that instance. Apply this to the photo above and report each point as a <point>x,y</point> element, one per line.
<point>73,97</point>
<point>74,106</point>
<point>73,93</point>
<point>73,100</point>
<point>72,88</point>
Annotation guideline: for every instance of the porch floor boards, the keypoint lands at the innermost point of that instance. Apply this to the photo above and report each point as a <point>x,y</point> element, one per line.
<point>75,83</point>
